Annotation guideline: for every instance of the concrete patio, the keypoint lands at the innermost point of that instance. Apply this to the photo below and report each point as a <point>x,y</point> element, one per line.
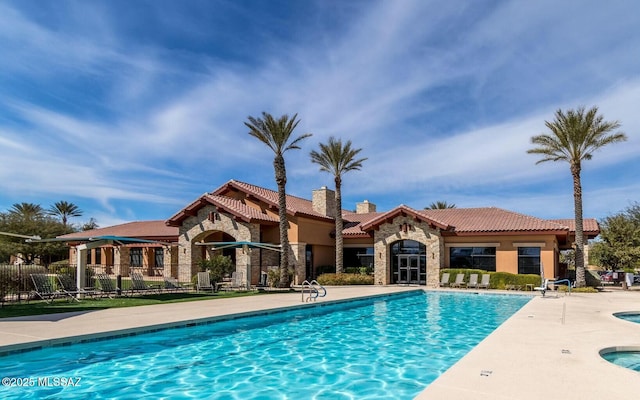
<point>550,348</point>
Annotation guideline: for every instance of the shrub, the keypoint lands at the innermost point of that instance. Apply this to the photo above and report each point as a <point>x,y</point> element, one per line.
<point>218,266</point>
<point>498,280</point>
<point>345,279</point>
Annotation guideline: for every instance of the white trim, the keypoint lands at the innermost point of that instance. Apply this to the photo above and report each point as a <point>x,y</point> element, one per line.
<point>529,244</point>
<point>472,245</point>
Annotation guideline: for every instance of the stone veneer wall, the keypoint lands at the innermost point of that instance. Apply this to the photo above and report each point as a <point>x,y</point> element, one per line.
<point>297,260</point>
<point>197,227</point>
<point>389,233</point>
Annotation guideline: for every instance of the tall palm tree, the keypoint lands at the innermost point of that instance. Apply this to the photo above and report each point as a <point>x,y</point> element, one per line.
<point>27,211</point>
<point>64,210</point>
<point>575,135</point>
<point>440,205</point>
<point>337,159</point>
<point>275,133</point>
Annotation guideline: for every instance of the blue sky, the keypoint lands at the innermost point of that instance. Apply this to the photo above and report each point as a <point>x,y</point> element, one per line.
<point>132,109</point>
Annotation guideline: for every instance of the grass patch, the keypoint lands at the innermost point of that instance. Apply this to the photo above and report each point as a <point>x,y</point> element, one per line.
<point>62,305</point>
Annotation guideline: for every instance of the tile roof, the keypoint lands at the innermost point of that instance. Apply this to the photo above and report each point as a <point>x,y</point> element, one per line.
<point>295,205</point>
<point>589,225</point>
<point>352,223</point>
<point>491,219</point>
<point>239,209</point>
<point>137,229</point>
<point>467,221</point>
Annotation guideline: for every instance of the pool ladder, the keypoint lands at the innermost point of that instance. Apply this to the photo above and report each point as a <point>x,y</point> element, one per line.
<point>312,290</point>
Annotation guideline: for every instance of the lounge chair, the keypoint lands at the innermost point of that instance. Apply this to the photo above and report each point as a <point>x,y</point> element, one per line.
<point>459,283</point>
<point>70,288</point>
<point>138,284</point>
<point>237,281</point>
<point>473,281</point>
<point>171,284</point>
<point>107,288</point>
<point>43,287</point>
<point>444,281</point>
<point>485,282</point>
<point>204,282</point>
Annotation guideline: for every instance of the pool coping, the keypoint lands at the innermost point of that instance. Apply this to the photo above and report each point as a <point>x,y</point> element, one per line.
<point>551,344</point>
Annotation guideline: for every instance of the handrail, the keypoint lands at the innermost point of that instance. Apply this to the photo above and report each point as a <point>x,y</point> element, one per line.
<point>319,287</point>
<point>563,280</point>
<point>312,290</point>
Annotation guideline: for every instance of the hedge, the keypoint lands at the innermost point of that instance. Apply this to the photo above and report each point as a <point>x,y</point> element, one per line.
<point>498,280</point>
<point>345,279</point>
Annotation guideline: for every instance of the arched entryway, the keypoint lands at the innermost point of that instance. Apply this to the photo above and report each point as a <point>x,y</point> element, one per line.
<point>408,262</point>
<point>206,252</point>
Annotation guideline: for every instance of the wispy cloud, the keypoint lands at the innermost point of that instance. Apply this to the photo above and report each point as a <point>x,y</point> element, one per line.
<point>442,96</point>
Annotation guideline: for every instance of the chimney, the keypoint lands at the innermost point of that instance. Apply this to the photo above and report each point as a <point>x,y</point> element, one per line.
<point>324,201</point>
<point>365,207</point>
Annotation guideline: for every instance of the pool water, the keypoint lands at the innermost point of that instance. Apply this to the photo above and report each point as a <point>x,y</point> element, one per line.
<point>626,359</point>
<point>633,317</point>
<point>377,348</point>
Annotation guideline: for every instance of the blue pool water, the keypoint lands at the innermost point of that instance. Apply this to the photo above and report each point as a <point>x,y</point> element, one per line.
<point>633,317</point>
<point>626,359</point>
<point>377,348</point>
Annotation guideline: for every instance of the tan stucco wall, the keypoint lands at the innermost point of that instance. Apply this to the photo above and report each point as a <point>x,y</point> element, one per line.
<point>507,250</point>
<point>316,232</point>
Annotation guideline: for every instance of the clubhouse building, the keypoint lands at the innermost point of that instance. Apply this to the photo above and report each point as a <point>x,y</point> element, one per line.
<point>400,246</point>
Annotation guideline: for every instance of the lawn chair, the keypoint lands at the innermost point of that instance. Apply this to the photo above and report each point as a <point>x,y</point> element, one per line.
<point>444,281</point>
<point>171,284</point>
<point>204,282</point>
<point>484,284</point>
<point>473,281</point>
<point>70,288</point>
<point>107,288</point>
<point>44,287</point>
<point>138,284</point>
<point>459,283</point>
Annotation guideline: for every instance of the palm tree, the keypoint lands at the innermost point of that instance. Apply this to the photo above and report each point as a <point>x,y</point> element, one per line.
<point>276,134</point>
<point>27,211</point>
<point>440,205</point>
<point>64,210</point>
<point>575,135</point>
<point>337,159</point>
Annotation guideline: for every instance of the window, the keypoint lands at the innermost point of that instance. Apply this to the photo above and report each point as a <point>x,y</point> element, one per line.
<point>135,257</point>
<point>483,258</point>
<point>98,256</point>
<point>159,257</point>
<point>529,260</point>
<point>356,257</point>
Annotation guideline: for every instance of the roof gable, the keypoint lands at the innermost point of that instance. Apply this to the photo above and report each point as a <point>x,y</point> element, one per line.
<point>403,210</point>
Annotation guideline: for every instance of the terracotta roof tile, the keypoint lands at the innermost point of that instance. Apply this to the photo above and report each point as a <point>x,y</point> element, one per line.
<point>239,209</point>
<point>491,219</point>
<point>589,225</point>
<point>353,221</point>
<point>295,205</point>
<point>138,229</point>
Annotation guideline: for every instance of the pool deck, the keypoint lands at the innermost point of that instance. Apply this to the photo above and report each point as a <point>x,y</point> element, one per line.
<point>548,349</point>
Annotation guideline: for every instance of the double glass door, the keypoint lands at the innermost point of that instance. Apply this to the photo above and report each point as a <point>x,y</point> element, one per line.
<point>411,269</point>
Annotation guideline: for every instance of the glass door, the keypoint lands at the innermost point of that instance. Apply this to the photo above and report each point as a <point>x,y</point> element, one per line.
<point>409,269</point>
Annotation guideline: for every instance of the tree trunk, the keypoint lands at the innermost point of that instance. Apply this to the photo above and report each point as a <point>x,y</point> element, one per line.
<point>577,199</point>
<point>281,181</point>
<point>339,224</point>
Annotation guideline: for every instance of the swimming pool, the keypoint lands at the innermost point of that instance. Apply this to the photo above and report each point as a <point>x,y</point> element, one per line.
<point>629,316</point>
<point>378,348</point>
